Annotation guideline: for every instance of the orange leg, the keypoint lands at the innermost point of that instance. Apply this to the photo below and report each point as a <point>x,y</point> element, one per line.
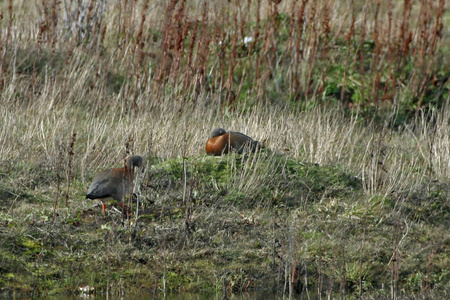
<point>104,209</point>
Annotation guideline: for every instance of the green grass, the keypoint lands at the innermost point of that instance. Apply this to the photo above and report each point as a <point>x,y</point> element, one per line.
<point>309,215</point>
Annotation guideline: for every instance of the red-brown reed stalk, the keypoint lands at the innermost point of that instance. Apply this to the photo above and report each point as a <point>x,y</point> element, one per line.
<point>102,35</point>
<point>125,20</point>
<point>69,165</point>
<point>47,31</point>
<point>54,24</point>
<point>389,31</point>
<point>188,73</point>
<point>405,35</point>
<point>313,47</point>
<point>139,45</point>
<point>230,97</point>
<point>178,35</point>
<point>290,45</point>
<point>376,56</point>
<point>269,51</point>
<point>272,41</point>
<point>256,37</point>
<point>429,34</point>
<point>97,28</point>
<point>290,49</point>
<point>299,47</point>
<point>349,37</point>
<point>438,26</point>
<point>58,178</point>
<point>186,200</point>
<point>351,32</point>
<point>44,24</point>
<point>326,29</point>
<point>361,50</point>
<point>203,51</point>
<point>166,59</point>
<point>389,57</point>
<point>128,204</point>
<point>419,52</point>
<point>91,28</point>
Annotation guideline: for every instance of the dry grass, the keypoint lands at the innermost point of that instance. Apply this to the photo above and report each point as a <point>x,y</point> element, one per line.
<point>385,159</point>
<point>362,86</point>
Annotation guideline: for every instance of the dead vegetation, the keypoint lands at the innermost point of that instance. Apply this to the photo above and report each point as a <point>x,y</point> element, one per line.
<point>350,99</point>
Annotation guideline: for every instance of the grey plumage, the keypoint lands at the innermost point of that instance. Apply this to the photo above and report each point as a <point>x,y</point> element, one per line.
<point>114,183</point>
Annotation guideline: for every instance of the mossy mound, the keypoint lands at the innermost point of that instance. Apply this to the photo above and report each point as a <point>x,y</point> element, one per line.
<point>265,179</point>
